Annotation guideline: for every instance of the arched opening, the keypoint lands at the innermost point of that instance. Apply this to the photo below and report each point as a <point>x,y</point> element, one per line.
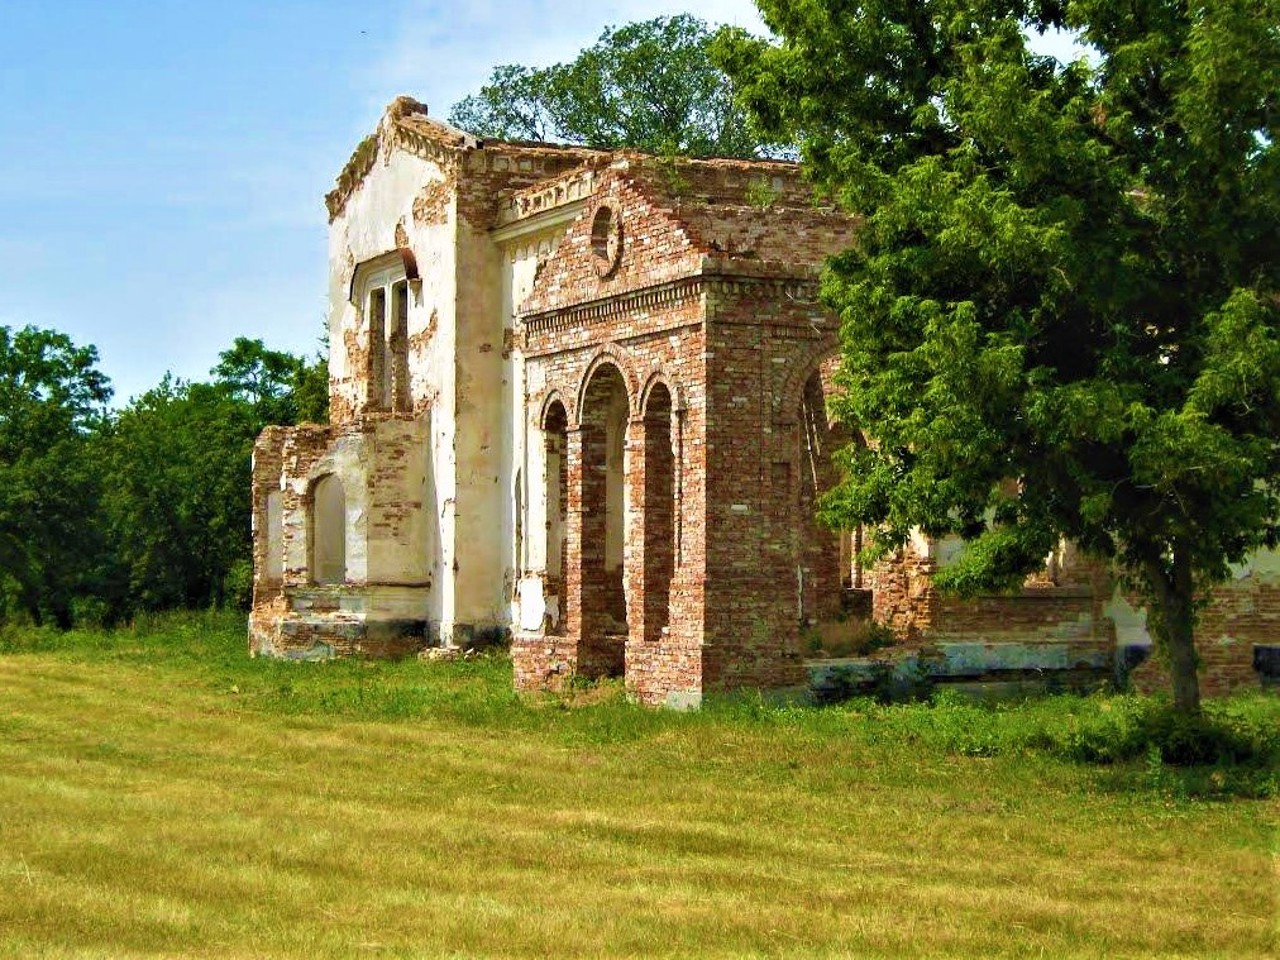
<point>555,426</point>
<point>604,509</point>
<point>380,289</point>
<point>820,575</point>
<point>659,512</point>
<point>328,531</point>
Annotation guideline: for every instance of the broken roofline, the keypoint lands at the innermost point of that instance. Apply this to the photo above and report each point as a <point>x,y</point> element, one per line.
<point>406,123</point>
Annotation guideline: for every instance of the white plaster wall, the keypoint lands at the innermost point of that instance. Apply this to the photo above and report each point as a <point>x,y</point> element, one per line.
<point>466,373</point>
<point>482,524</point>
<point>522,436</point>
<point>365,230</point>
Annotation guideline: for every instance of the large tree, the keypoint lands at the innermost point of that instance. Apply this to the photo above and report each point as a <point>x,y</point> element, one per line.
<point>178,459</point>
<point>1061,318</point>
<point>649,85</point>
<point>52,398</point>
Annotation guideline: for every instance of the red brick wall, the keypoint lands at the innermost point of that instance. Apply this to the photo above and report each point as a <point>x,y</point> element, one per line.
<point>660,341</point>
<point>1240,614</point>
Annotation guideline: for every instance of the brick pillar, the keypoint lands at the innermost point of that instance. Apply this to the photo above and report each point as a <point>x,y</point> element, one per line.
<point>587,586</point>
<point>634,553</point>
<point>666,659</point>
<point>573,533</point>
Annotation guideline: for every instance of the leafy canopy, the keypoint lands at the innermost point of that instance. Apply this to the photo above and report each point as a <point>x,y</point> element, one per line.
<point>51,399</point>
<point>1061,317</point>
<point>649,85</point>
<point>106,513</point>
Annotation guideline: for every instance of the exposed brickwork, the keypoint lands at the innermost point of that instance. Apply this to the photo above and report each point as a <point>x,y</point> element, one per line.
<point>646,333</point>
<point>739,538</point>
<point>294,616</point>
<point>903,597</point>
<point>1240,614</point>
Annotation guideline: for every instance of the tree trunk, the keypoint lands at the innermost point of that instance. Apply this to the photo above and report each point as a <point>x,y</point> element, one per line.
<point>1173,597</point>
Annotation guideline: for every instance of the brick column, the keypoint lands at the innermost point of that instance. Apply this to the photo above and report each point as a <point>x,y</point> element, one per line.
<point>586,588</point>
<point>573,526</point>
<point>634,553</point>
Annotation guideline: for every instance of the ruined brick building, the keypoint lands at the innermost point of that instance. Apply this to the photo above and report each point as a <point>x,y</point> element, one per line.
<point>578,402</point>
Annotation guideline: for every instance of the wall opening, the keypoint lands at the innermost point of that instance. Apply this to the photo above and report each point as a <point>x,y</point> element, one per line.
<point>381,291</point>
<point>397,396</point>
<point>274,566</point>
<point>328,531</point>
<point>377,319</point>
<point>556,480</point>
<point>604,468</point>
<point>659,513</point>
<point>819,573</point>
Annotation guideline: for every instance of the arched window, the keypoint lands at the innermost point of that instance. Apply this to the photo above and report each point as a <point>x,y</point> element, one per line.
<point>380,290</point>
<point>556,492</point>
<point>328,531</point>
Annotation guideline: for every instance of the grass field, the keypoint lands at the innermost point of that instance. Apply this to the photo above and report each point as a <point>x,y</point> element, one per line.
<point>163,795</point>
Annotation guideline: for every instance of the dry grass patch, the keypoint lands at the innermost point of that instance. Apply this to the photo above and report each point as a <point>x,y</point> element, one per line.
<point>161,795</point>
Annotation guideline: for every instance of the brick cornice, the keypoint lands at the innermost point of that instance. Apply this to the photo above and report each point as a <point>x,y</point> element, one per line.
<point>667,294</point>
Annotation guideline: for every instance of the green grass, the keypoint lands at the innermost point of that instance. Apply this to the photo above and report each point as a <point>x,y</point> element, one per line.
<point>163,795</point>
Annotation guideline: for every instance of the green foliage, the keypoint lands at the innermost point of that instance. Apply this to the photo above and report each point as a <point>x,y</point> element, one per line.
<point>649,85</point>
<point>310,387</point>
<point>51,400</point>
<point>1232,749</point>
<point>178,503</point>
<point>179,459</point>
<point>106,514</point>
<point>1133,744</point>
<point>280,387</point>
<point>1061,318</point>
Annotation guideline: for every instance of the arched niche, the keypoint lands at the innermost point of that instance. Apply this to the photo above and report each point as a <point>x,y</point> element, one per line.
<point>328,531</point>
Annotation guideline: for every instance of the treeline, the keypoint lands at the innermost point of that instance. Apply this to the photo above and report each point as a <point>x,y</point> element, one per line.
<point>105,513</point>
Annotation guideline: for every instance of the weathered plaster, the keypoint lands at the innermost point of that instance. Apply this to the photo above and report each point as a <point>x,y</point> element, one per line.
<point>615,431</point>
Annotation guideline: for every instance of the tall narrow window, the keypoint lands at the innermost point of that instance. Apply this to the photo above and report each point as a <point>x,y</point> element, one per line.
<point>381,290</point>
<point>377,348</point>
<point>397,362</point>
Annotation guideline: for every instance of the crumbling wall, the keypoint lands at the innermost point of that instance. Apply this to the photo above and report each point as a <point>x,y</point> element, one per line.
<point>1241,618</point>
<point>382,605</point>
<point>664,343</point>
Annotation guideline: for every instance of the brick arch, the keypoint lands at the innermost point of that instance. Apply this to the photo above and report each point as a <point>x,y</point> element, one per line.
<point>786,403</point>
<point>661,376</point>
<point>555,395</point>
<point>616,357</point>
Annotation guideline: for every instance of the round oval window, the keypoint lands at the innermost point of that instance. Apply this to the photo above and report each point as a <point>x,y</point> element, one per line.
<point>606,240</point>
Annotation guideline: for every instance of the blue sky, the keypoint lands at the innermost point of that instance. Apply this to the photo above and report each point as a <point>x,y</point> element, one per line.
<point>163,164</point>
